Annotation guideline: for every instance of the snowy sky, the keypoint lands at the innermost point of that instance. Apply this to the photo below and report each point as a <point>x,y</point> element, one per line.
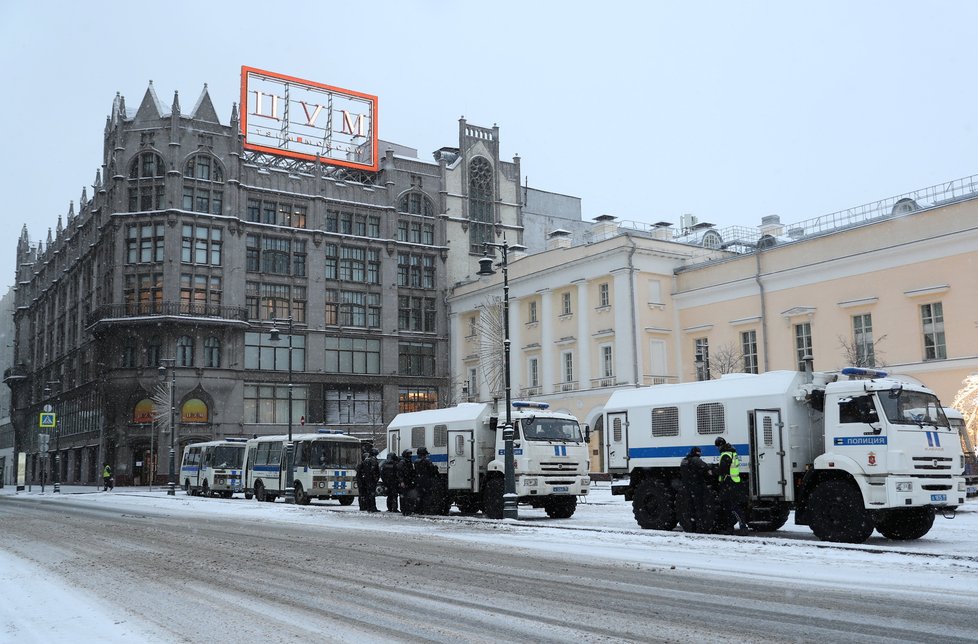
<point>729,111</point>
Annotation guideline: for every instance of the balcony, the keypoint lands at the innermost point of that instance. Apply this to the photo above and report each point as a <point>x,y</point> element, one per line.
<point>129,313</point>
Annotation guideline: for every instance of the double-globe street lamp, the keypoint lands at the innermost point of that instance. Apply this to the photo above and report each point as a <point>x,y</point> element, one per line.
<point>171,488</point>
<point>274,336</point>
<point>509,469</point>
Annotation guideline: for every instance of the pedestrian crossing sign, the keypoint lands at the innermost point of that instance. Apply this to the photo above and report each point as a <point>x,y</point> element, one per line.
<point>48,419</point>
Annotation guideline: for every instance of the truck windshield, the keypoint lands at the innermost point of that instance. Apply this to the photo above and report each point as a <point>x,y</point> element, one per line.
<point>551,429</point>
<point>905,407</point>
<point>339,454</point>
<point>228,456</point>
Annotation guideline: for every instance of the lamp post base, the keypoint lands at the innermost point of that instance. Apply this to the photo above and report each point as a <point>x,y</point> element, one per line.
<point>171,489</point>
<point>510,509</point>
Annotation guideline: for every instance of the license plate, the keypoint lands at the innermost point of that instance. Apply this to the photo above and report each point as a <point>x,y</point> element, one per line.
<point>938,497</point>
<point>561,488</point>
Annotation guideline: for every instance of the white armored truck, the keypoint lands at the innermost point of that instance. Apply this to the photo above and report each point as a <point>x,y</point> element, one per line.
<point>848,451</point>
<point>466,443</point>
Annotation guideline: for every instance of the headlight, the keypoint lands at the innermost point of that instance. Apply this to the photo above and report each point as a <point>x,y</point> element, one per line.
<point>586,480</point>
<point>961,486</point>
<point>904,486</point>
<point>530,482</point>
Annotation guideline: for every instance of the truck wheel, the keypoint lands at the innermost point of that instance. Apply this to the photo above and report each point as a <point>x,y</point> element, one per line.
<point>301,498</point>
<point>560,507</point>
<point>346,500</point>
<point>838,514</point>
<point>768,517</point>
<point>654,506</point>
<point>904,524</point>
<point>492,498</point>
<point>467,504</point>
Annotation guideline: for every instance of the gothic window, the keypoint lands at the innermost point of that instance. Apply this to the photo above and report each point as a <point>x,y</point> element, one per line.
<point>203,189</point>
<point>480,204</point>
<point>417,203</point>
<point>146,182</point>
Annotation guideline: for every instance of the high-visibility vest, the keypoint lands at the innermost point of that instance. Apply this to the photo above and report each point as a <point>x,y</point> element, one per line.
<point>107,472</point>
<point>734,466</point>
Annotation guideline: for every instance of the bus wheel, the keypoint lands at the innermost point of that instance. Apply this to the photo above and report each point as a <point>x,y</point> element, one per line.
<point>838,514</point>
<point>492,498</point>
<point>260,493</point>
<point>301,498</point>
<point>346,500</point>
<point>904,524</point>
<point>653,505</point>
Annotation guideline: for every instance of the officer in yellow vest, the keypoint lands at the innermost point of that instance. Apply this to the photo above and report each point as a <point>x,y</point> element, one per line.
<point>731,489</point>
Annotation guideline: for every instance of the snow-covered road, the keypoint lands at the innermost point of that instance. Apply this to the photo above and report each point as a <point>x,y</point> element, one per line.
<point>51,587</point>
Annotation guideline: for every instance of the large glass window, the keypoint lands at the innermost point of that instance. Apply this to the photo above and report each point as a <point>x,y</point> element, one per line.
<point>147,186</point>
<point>269,301</point>
<point>144,243</point>
<point>417,399</point>
<point>144,294</point>
<point>862,340</point>
<point>185,351</point>
<point>203,189</point>
<point>416,358</point>
<point>701,358</point>
<point>353,406</point>
<point>201,245</point>
<point>748,348</point>
<point>212,352</point>
<point>270,403</point>
<point>416,313</point>
<point>803,343</point>
<point>263,353</point>
<point>352,355</point>
<point>279,213</point>
<point>932,319</point>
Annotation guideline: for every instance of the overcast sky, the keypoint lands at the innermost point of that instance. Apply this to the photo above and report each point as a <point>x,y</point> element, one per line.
<point>646,110</point>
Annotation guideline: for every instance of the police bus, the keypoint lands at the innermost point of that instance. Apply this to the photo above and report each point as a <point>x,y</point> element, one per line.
<point>956,419</point>
<point>324,468</point>
<point>213,467</point>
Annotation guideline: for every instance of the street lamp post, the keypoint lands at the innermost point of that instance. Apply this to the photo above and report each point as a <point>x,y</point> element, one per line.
<point>275,336</point>
<point>57,439</point>
<point>171,488</point>
<point>510,510</point>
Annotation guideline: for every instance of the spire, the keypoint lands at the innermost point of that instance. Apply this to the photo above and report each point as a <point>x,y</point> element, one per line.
<point>49,232</point>
<point>71,213</point>
<point>204,109</point>
<point>84,198</point>
<point>150,108</point>
<point>122,108</point>
<point>98,180</point>
<point>175,110</point>
<point>234,116</point>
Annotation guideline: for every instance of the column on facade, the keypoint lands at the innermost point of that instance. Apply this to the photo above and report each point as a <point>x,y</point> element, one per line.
<point>627,354</point>
<point>516,357</point>
<point>457,348</point>
<point>547,348</point>
<point>583,357</point>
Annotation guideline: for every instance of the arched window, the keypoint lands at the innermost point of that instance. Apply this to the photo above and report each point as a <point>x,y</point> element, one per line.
<point>203,189</point>
<point>146,182</point>
<point>212,352</point>
<point>417,203</point>
<point>185,351</point>
<point>480,204</point>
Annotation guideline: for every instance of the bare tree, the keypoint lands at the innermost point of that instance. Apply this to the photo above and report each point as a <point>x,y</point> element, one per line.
<point>856,355</point>
<point>726,358</point>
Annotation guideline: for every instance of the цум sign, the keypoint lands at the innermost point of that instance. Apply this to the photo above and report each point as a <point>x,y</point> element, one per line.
<point>306,120</point>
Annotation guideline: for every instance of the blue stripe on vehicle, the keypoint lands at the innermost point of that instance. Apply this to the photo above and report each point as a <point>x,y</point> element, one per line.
<point>678,451</point>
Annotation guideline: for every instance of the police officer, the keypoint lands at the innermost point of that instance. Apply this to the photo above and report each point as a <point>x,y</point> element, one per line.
<point>361,470</point>
<point>407,483</point>
<point>371,474</point>
<point>106,478</point>
<point>388,474</point>
<point>694,473</point>
<point>427,479</point>
<point>731,489</point>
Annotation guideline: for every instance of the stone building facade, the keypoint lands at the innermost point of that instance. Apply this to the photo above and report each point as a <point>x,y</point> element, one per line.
<point>153,302</point>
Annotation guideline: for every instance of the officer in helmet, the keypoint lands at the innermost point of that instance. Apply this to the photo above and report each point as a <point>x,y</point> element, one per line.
<point>388,474</point>
<point>427,477</point>
<point>407,483</point>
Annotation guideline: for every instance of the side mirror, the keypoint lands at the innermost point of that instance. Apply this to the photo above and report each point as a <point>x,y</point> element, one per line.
<point>587,433</point>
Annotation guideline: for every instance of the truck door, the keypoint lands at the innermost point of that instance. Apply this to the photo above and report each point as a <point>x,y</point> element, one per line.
<point>766,453</point>
<point>461,462</point>
<point>617,432</point>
